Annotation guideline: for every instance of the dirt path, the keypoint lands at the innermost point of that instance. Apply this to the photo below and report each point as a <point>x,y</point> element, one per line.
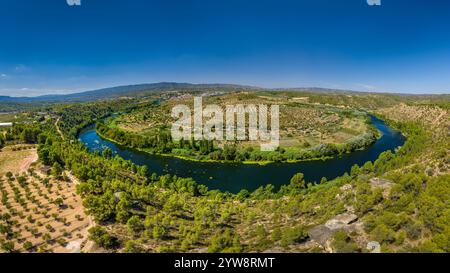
<point>26,163</point>
<point>59,130</point>
<point>16,161</point>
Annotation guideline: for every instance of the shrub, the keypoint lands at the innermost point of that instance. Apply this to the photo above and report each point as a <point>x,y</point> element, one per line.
<point>132,247</point>
<point>27,245</point>
<point>342,243</point>
<point>293,235</point>
<point>383,234</point>
<point>135,225</point>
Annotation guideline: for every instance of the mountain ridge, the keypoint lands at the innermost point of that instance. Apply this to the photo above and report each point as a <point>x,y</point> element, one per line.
<point>135,89</point>
<point>124,90</point>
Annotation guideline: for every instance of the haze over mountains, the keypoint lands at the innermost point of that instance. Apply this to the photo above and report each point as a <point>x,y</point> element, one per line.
<point>142,89</point>
<point>125,91</point>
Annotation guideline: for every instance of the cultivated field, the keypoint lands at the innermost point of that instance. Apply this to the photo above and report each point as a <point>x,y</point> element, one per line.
<point>38,212</point>
<point>302,124</point>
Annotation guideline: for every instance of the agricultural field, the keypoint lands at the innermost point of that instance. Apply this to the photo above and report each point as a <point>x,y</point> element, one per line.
<point>300,122</point>
<point>303,125</point>
<point>7,117</point>
<point>15,117</point>
<point>38,212</point>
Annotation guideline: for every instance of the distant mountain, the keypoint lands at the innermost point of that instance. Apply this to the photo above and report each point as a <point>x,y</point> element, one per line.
<point>127,91</point>
<point>145,89</point>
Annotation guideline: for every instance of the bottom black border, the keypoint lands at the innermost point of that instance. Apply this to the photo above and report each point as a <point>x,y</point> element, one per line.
<point>230,262</point>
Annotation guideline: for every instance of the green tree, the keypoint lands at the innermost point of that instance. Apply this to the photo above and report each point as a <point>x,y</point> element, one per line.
<point>298,182</point>
<point>342,243</point>
<point>383,234</point>
<point>101,237</point>
<point>293,235</point>
<point>135,225</point>
<point>132,246</point>
<point>158,232</point>
<point>56,169</point>
<point>27,245</point>
<point>7,246</point>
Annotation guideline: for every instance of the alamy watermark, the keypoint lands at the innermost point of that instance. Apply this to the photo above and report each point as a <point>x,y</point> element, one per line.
<point>73,2</point>
<point>78,2</point>
<point>192,125</point>
<point>374,2</point>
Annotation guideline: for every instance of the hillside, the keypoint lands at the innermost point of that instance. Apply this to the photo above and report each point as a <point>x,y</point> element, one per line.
<point>126,90</point>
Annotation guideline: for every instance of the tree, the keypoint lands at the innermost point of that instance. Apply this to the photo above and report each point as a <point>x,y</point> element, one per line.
<point>276,234</point>
<point>44,155</point>
<point>226,242</point>
<point>298,182</point>
<point>354,172</point>
<point>102,206</point>
<point>229,152</point>
<point>9,175</point>
<point>7,246</point>
<point>293,235</point>
<point>27,245</point>
<point>132,246</point>
<point>135,225</point>
<point>158,232</point>
<point>383,234</point>
<point>143,171</point>
<point>2,140</point>
<point>367,168</point>
<point>342,243</point>
<point>59,202</point>
<point>122,208</point>
<point>101,237</point>
<point>107,153</point>
<point>56,169</point>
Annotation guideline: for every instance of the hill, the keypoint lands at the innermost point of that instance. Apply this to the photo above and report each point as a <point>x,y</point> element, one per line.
<point>126,90</point>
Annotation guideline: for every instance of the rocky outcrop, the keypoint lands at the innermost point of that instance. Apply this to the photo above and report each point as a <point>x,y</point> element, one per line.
<point>323,234</point>
<point>341,221</point>
<point>374,247</point>
<point>384,184</point>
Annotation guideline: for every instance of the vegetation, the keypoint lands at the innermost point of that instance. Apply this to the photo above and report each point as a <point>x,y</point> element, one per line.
<point>138,211</point>
<point>307,132</point>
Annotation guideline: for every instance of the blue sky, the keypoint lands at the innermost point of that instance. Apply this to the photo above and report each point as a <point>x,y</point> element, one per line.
<point>50,47</point>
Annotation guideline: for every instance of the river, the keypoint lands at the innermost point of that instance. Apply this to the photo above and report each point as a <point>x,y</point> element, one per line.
<point>233,177</point>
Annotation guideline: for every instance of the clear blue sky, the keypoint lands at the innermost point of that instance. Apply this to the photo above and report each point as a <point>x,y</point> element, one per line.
<point>50,47</point>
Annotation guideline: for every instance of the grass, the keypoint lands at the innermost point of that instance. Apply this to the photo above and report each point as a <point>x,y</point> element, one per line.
<point>7,117</point>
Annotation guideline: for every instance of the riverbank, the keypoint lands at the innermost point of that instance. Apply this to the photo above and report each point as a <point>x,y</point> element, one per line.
<point>247,162</point>
<point>235,176</point>
<point>300,150</point>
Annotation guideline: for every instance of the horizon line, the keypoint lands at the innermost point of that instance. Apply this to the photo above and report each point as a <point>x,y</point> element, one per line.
<point>304,88</point>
